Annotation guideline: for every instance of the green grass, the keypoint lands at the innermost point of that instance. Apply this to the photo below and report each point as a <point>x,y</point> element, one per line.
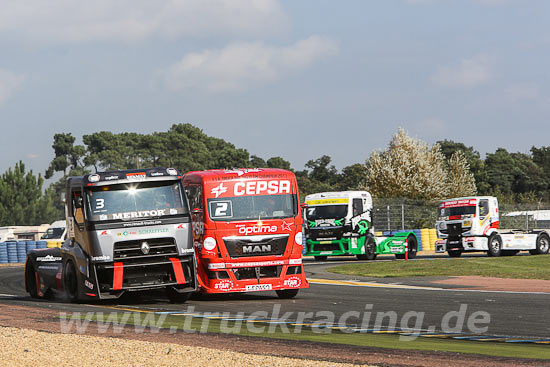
<point>355,339</point>
<point>518,267</point>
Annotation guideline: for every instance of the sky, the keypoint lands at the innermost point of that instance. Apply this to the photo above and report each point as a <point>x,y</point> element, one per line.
<point>290,78</point>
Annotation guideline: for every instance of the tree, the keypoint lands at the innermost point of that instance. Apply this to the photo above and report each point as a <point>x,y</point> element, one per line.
<point>67,155</point>
<point>352,177</point>
<point>476,164</point>
<point>278,162</point>
<point>407,168</point>
<point>460,180</point>
<point>21,199</point>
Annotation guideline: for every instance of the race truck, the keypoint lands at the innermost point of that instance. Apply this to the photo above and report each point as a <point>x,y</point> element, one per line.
<point>247,229</point>
<point>471,224</point>
<point>340,223</point>
<point>127,231</point>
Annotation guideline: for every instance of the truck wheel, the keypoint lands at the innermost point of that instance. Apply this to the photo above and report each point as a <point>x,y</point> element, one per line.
<point>495,246</point>
<point>320,258</point>
<point>370,250</point>
<point>32,279</point>
<point>70,282</point>
<point>543,245</point>
<point>454,253</point>
<point>287,293</point>
<point>176,297</point>
<point>413,248</point>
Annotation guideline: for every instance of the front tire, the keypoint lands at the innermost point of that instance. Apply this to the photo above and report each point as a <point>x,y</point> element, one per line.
<point>70,282</point>
<point>495,246</point>
<point>287,293</point>
<point>454,253</point>
<point>370,250</point>
<point>543,245</point>
<point>320,258</point>
<point>176,297</point>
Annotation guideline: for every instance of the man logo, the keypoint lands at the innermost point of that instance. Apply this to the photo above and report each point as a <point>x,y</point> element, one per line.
<point>145,248</point>
<point>250,249</point>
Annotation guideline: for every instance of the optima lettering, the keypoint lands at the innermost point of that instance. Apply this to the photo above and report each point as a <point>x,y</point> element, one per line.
<point>262,188</point>
<point>140,214</point>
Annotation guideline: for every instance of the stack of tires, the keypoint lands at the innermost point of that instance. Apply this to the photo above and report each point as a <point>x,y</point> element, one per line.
<point>3,253</point>
<point>12,251</point>
<point>41,244</point>
<point>31,245</point>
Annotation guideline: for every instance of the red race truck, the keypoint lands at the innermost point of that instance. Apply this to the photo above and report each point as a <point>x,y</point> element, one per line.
<point>247,230</point>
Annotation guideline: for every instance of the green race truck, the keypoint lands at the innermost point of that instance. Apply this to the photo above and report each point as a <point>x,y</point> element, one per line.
<point>340,223</point>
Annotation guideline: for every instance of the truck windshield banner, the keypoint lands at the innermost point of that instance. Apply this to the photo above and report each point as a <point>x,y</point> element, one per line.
<point>458,203</point>
<point>249,188</point>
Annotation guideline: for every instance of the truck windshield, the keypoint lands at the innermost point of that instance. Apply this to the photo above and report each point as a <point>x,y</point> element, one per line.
<point>52,233</point>
<point>253,207</point>
<point>326,212</point>
<point>135,201</point>
<point>458,210</point>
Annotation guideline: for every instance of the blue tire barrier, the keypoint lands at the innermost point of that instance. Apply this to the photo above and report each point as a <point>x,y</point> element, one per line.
<point>41,244</point>
<point>31,245</point>
<point>21,251</point>
<point>419,238</point>
<point>3,253</point>
<point>12,252</point>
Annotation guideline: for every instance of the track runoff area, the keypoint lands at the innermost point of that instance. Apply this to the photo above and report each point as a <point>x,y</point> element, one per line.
<point>333,305</point>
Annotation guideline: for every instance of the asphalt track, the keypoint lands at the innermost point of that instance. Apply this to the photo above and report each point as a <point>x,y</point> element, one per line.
<point>512,315</point>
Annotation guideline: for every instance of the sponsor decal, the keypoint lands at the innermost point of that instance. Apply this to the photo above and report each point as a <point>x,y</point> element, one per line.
<point>143,232</point>
<point>138,176</point>
<point>394,250</point>
<point>88,284</point>
<point>218,190</point>
<point>155,174</point>
<point>186,250</point>
<point>258,287</point>
<point>104,233</point>
<point>241,172</point>
<point>243,229</point>
<point>327,201</point>
<point>142,223</point>
<point>254,264</point>
<point>140,214</point>
<point>458,203</point>
<point>48,258</point>
<point>101,258</point>
<point>255,249</point>
<point>262,187</point>
<point>294,261</point>
<point>292,282</point>
<point>285,226</point>
<point>224,285</point>
<point>110,178</point>
<point>326,222</point>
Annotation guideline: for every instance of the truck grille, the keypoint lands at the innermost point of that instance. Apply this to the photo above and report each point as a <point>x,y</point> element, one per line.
<point>256,245</point>
<point>455,229</point>
<point>326,233</point>
<point>158,249</point>
<point>263,272</point>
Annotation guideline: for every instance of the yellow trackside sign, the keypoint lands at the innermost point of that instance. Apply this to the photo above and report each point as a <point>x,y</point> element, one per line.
<point>327,201</point>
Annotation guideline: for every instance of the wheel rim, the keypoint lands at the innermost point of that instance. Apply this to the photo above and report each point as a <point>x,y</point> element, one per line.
<point>370,249</point>
<point>495,245</point>
<point>543,244</point>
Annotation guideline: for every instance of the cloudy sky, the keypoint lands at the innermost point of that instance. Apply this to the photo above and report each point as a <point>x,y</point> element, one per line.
<point>290,78</point>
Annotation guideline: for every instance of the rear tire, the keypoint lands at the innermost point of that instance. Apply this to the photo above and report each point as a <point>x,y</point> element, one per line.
<point>370,250</point>
<point>495,246</point>
<point>543,245</point>
<point>287,293</point>
<point>31,279</point>
<point>320,258</point>
<point>70,282</point>
<point>175,297</point>
<point>454,253</point>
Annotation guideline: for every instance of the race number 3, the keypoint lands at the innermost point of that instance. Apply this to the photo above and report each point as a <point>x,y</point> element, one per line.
<point>99,203</point>
<point>221,209</point>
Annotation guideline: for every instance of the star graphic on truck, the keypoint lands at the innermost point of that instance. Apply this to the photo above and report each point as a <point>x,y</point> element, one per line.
<point>285,226</point>
<point>218,190</point>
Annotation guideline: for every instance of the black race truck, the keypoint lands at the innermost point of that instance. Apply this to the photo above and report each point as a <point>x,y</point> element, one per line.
<point>127,231</point>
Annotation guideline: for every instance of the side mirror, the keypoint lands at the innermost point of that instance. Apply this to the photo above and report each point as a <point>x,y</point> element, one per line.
<point>196,211</point>
<point>78,203</point>
<point>304,206</point>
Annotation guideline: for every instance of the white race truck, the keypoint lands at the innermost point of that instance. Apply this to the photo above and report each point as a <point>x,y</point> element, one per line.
<point>472,224</point>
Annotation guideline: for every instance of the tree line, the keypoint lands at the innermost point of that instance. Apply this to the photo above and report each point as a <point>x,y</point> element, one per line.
<point>406,168</point>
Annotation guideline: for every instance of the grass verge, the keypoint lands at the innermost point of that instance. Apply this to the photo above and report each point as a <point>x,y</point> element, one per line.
<point>260,329</point>
<point>518,267</point>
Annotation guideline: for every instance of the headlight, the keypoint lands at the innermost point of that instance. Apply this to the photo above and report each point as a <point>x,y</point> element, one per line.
<point>442,226</point>
<point>298,238</point>
<point>209,243</point>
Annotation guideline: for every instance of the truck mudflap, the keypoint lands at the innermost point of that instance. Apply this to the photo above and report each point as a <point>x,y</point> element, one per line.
<point>115,278</point>
<point>252,276</point>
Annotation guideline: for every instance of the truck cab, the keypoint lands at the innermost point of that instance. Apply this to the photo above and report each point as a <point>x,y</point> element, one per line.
<point>247,229</point>
<point>127,231</point>
<point>471,224</point>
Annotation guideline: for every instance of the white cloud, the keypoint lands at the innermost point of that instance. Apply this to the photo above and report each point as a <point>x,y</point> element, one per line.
<point>522,92</point>
<point>242,65</point>
<point>56,21</point>
<point>468,73</point>
<point>9,82</point>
